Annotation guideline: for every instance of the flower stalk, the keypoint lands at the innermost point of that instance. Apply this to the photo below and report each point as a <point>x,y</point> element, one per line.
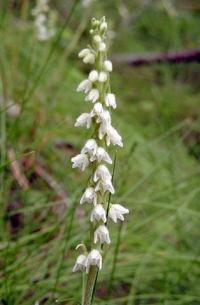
<point>94,154</point>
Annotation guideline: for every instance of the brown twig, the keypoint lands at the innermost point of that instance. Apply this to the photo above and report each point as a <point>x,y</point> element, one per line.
<point>17,171</point>
<point>182,56</point>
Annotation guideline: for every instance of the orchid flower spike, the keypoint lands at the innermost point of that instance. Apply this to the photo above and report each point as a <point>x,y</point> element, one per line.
<point>94,153</point>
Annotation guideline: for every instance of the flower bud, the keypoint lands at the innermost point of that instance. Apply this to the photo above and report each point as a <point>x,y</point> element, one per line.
<point>107,65</point>
<point>103,77</point>
<point>93,76</point>
<point>84,53</point>
<point>89,59</point>
<point>102,47</point>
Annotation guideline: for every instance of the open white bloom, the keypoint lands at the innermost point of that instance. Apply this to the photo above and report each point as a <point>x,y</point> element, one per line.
<point>93,95</point>
<point>81,161</point>
<point>84,86</point>
<point>110,100</point>
<point>84,119</point>
<point>105,124</point>
<point>103,77</point>
<point>90,147</point>
<point>102,173</point>
<point>94,258</point>
<point>80,263</point>
<point>93,76</point>
<point>105,186</point>
<point>97,111</point>
<point>89,196</point>
<point>84,53</point>
<point>89,59</point>
<point>107,65</point>
<point>101,155</point>
<point>113,137</point>
<point>117,211</point>
<point>98,213</point>
<point>101,234</point>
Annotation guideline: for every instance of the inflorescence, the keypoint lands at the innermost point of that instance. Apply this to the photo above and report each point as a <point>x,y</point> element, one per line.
<point>94,152</point>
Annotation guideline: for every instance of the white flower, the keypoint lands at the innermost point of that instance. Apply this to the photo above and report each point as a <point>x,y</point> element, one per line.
<point>107,65</point>
<point>84,53</point>
<point>117,211</point>
<point>103,26</point>
<point>84,120</point>
<point>102,47</point>
<point>90,147</point>
<point>81,161</point>
<point>105,120</point>
<point>101,155</point>
<point>98,213</point>
<point>102,173</point>
<point>97,110</point>
<point>101,234</point>
<point>113,137</point>
<point>89,59</point>
<point>105,186</point>
<point>80,263</point>
<point>97,39</point>
<point>41,18</point>
<point>84,86</point>
<point>93,95</point>
<point>89,196</point>
<point>93,76</point>
<point>110,100</point>
<point>103,77</point>
<point>94,258</point>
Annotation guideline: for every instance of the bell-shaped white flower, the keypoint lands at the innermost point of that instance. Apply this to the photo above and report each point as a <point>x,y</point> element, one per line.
<point>97,110</point>
<point>105,120</point>
<point>98,213</point>
<point>117,211</point>
<point>94,258</point>
<point>93,95</point>
<point>102,47</point>
<point>89,196</point>
<point>93,76</point>
<point>113,137</point>
<point>101,235</point>
<point>85,86</point>
<point>101,155</point>
<point>107,65</point>
<point>103,26</point>
<point>81,161</point>
<point>89,59</point>
<point>105,186</point>
<point>110,100</point>
<point>97,39</point>
<point>103,77</point>
<point>90,147</point>
<point>84,53</point>
<point>80,263</point>
<point>102,173</point>
<point>84,119</point>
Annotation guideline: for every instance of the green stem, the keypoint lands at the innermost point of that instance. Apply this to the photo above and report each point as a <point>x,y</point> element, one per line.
<point>90,285</point>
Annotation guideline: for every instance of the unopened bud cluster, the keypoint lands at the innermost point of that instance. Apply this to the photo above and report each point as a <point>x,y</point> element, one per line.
<point>94,152</point>
<point>44,20</point>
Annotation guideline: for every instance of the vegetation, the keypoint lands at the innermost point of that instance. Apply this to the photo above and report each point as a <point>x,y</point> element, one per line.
<point>154,258</point>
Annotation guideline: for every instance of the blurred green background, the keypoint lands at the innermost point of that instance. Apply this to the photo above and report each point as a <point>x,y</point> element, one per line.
<point>154,256</point>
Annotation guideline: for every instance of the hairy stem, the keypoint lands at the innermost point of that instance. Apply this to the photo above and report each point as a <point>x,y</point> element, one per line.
<point>90,284</point>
